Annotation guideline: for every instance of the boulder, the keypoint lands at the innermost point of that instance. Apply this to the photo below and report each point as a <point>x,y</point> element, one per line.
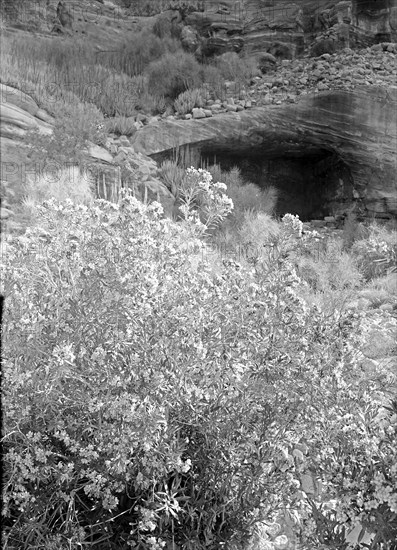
<point>198,113</point>
<point>281,50</point>
<point>15,122</point>
<point>99,153</point>
<point>190,39</point>
<point>64,15</point>
<point>321,47</point>
<point>15,97</point>
<point>266,62</point>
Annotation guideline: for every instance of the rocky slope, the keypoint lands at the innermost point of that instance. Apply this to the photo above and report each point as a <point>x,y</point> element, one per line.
<point>320,126</point>
<point>19,113</point>
<point>332,120</point>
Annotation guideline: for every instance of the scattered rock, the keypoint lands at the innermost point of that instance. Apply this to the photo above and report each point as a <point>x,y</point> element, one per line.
<point>266,62</point>
<point>386,307</point>
<point>123,140</point>
<point>363,303</point>
<point>99,153</point>
<point>323,47</point>
<point>317,223</point>
<point>198,113</point>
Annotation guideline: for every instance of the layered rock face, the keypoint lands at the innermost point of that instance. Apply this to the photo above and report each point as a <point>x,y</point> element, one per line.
<point>376,18</point>
<point>286,28</point>
<point>338,147</point>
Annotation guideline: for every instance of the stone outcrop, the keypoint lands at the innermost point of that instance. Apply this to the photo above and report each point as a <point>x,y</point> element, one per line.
<point>64,20</point>
<point>117,164</point>
<point>343,141</point>
<point>288,29</point>
<point>101,23</point>
<point>19,113</point>
<point>375,18</point>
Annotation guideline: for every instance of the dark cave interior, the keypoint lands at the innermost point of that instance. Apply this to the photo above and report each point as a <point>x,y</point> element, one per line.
<point>312,184</point>
<point>311,181</point>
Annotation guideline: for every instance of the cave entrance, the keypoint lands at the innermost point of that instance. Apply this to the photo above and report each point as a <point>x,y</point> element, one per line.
<point>311,184</point>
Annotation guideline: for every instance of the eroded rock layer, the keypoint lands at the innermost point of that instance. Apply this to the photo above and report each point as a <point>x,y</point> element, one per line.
<point>286,28</point>
<point>351,135</point>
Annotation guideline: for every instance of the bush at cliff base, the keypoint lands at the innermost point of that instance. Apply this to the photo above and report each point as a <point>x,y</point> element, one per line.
<point>152,401</point>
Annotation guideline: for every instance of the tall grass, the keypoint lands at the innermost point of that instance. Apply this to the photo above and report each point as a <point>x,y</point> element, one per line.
<point>144,72</point>
<point>67,183</point>
<point>121,125</point>
<point>135,53</point>
<point>172,175</point>
<point>173,74</point>
<point>52,70</point>
<point>233,67</point>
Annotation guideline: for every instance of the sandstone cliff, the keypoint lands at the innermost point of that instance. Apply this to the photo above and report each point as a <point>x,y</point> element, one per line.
<point>287,28</point>
<point>354,129</point>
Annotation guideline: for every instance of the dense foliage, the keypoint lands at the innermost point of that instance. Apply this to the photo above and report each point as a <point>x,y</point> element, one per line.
<point>157,393</point>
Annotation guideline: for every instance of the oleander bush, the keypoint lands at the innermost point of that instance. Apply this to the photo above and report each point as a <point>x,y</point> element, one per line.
<point>157,394</point>
<point>377,254</point>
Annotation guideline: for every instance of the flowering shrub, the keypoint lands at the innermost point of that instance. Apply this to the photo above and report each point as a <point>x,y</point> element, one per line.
<point>347,490</point>
<point>203,201</point>
<point>377,254</point>
<point>151,402</point>
<point>292,224</point>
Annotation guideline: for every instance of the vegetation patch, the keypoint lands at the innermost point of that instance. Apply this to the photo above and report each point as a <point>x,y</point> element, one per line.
<point>169,395</point>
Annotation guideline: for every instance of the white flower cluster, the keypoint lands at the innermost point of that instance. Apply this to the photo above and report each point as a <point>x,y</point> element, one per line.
<point>204,199</point>
<point>293,224</point>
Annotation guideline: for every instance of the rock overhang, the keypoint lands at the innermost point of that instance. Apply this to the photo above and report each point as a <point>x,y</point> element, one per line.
<point>356,127</point>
